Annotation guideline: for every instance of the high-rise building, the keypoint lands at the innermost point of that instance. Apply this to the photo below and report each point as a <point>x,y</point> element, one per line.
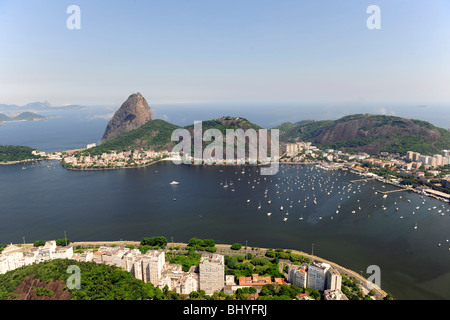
<point>409,155</point>
<point>212,273</point>
<point>317,275</point>
<point>334,279</point>
<point>438,158</point>
<point>152,266</point>
<point>298,275</point>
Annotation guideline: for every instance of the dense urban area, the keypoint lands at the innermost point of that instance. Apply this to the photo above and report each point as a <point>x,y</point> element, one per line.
<point>197,270</point>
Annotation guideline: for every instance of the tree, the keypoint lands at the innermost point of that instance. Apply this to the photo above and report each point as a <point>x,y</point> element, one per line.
<point>39,243</point>
<point>236,246</point>
<point>62,242</point>
<point>195,243</point>
<point>159,242</point>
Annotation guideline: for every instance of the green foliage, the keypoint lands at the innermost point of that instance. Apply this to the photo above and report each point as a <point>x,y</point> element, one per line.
<point>159,242</point>
<point>16,153</point>
<point>98,281</point>
<point>39,243</point>
<point>270,253</point>
<point>62,242</point>
<point>351,288</point>
<point>202,244</point>
<point>186,260</point>
<point>236,246</point>
<point>40,291</point>
<point>2,246</point>
<point>404,134</point>
<point>153,135</point>
<point>286,292</point>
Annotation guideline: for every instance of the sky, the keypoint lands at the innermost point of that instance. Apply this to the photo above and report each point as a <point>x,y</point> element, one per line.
<point>225,51</point>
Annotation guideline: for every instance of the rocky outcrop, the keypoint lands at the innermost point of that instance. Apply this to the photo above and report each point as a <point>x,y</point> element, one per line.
<point>133,113</point>
<point>369,133</point>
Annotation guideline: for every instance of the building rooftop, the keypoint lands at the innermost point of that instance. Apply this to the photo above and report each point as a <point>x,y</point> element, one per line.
<point>215,258</point>
<point>254,280</point>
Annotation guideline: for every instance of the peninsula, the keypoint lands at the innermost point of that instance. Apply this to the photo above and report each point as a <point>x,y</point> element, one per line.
<point>234,272</point>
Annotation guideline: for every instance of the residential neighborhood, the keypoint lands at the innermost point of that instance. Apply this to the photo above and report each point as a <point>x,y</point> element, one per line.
<point>152,267</point>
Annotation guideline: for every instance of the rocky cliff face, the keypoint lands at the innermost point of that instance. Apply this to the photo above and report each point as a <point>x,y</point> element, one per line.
<point>369,133</point>
<point>133,113</point>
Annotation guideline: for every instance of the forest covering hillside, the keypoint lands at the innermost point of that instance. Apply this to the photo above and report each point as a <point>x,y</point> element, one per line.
<point>369,133</point>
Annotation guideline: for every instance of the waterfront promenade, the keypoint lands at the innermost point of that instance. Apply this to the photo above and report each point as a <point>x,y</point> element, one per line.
<point>225,249</point>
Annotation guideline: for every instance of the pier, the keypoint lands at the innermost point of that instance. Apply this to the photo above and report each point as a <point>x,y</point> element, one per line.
<point>365,179</point>
<point>392,191</point>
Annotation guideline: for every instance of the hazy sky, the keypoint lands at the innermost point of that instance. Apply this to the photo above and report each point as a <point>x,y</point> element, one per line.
<point>221,51</point>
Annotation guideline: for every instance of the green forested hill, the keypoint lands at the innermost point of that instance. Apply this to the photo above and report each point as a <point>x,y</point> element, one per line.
<point>153,135</point>
<point>359,132</point>
<point>98,282</point>
<point>369,133</point>
<point>16,153</point>
<point>156,134</point>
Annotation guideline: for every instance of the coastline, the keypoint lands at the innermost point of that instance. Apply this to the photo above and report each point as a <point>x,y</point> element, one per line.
<point>115,168</point>
<point>21,161</point>
<point>225,247</point>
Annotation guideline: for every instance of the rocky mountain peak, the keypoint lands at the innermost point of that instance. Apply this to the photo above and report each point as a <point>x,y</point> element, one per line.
<point>133,113</point>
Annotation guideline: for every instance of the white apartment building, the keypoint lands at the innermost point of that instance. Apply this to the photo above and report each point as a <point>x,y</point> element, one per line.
<point>292,149</point>
<point>334,280</point>
<point>13,260</point>
<point>298,275</point>
<point>10,261</point>
<point>317,275</point>
<point>178,281</point>
<point>86,256</point>
<point>152,266</point>
<point>212,273</point>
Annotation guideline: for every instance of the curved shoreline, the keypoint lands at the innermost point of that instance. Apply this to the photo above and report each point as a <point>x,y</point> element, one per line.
<point>366,283</point>
<point>21,161</point>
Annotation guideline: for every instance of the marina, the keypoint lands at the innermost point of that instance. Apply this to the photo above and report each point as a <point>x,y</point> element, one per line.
<point>349,223</point>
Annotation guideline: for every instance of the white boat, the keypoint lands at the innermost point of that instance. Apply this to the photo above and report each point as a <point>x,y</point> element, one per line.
<point>281,208</point>
<point>415,227</point>
<point>174,182</point>
<point>284,219</point>
<point>269,213</point>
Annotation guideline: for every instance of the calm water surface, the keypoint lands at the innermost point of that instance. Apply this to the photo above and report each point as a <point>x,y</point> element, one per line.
<point>40,201</point>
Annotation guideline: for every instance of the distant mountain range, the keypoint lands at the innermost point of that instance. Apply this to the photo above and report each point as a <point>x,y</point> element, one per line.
<point>37,106</point>
<point>24,116</point>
